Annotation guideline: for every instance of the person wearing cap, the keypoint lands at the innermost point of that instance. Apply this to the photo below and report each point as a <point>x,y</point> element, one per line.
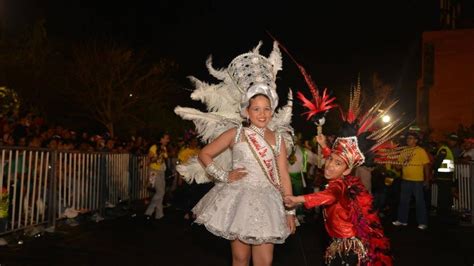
<point>444,177</point>
<point>415,178</point>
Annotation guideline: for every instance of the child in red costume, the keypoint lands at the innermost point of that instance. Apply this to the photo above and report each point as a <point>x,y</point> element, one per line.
<point>356,231</point>
<point>358,237</point>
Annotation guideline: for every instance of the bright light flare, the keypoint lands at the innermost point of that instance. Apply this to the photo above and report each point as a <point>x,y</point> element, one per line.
<point>386,118</point>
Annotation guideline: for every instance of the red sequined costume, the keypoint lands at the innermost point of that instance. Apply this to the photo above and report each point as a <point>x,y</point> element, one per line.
<point>336,215</point>
<point>350,222</point>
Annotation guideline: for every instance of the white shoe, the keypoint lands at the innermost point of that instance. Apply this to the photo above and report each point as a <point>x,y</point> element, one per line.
<point>398,223</point>
<point>422,226</point>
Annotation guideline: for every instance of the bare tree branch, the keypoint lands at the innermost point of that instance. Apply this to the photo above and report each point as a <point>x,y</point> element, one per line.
<point>113,82</point>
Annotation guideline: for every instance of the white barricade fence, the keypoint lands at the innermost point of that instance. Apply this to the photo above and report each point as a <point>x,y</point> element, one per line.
<point>24,181</point>
<point>138,189</point>
<point>39,185</point>
<point>117,178</point>
<point>78,181</point>
<point>463,174</point>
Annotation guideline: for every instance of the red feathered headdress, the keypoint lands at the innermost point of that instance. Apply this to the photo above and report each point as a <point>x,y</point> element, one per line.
<point>362,139</point>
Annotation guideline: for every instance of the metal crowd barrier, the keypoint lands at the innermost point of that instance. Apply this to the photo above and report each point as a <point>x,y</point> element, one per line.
<point>464,174</point>
<point>39,185</point>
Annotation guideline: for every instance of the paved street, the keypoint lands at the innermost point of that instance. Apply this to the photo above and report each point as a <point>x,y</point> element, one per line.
<point>128,240</point>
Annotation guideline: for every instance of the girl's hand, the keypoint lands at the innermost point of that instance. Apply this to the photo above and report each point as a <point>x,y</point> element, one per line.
<point>237,174</point>
<point>291,201</point>
<point>290,219</point>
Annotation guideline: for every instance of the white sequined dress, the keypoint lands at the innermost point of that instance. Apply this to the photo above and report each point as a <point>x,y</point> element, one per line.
<point>250,209</point>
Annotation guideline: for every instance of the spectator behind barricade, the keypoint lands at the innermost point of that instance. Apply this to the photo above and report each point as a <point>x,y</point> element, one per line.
<point>452,140</point>
<point>34,142</point>
<point>54,143</point>
<point>443,167</point>
<point>85,138</point>
<point>138,146</point>
<point>7,138</point>
<point>66,145</point>
<point>85,147</point>
<point>100,144</point>
<point>20,130</point>
<point>37,123</point>
<point>109,145</point>
<point>467,154</point>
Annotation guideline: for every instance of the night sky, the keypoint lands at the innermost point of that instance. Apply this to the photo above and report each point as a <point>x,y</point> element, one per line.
<point>334,40</point>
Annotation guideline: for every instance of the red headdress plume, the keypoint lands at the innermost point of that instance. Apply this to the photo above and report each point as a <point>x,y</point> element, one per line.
<point>320,104</point>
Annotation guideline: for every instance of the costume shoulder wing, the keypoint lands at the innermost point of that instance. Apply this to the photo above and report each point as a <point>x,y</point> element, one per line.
<point>208,125</point>
<point>281,123</point>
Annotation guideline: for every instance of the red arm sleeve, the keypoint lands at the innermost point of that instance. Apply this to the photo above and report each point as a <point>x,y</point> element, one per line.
<point>325,197</point>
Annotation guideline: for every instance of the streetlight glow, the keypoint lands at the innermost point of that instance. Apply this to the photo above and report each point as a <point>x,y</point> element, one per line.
<point>386,118</point>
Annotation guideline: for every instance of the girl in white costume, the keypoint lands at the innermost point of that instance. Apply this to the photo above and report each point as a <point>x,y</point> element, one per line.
<point>248,164</point>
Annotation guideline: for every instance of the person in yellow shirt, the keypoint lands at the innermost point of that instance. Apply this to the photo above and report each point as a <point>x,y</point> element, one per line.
<point>157,155</point>
<point>192,192</point>
<point>415,176</point>
<point>191,150</point>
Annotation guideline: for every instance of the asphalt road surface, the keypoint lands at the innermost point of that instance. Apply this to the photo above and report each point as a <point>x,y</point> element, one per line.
<point>125,238</point>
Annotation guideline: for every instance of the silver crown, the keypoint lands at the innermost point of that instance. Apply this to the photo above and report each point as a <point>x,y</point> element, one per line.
<point>254,74</point>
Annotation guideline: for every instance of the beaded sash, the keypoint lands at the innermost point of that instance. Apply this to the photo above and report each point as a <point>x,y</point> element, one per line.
<point>265,156</point>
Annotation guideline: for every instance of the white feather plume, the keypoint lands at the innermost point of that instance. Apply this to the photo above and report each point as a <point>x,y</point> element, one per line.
<point>256,50</point>
<point>275,58</point>
<point>216,96</point>
<point>220,74</point>
<point>192,170</point>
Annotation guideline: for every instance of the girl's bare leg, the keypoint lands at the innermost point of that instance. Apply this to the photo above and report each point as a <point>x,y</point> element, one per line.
<point>241,253</point>
<point>262,255</point>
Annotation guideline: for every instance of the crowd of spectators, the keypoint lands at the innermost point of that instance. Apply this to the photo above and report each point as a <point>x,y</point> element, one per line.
<point>30,130</point>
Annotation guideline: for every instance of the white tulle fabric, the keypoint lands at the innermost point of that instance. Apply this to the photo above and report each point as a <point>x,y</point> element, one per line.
<point>250,209</point>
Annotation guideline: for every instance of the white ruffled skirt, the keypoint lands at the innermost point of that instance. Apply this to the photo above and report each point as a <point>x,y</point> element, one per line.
<point>252,213</point>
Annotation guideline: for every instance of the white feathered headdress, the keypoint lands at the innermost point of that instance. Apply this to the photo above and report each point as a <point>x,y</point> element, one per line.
<point>248,74</point>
